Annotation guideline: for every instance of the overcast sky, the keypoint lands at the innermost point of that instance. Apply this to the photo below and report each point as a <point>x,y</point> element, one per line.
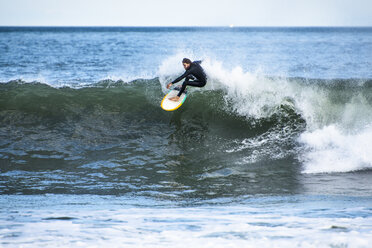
<point>186,12</point>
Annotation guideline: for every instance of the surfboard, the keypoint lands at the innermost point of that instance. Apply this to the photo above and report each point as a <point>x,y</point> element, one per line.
<point>169,105</point>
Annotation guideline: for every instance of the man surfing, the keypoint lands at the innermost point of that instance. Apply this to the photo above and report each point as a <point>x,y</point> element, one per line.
<point>193,72</point>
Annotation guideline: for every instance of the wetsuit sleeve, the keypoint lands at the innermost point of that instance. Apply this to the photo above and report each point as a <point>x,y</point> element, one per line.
<point>181,77</point>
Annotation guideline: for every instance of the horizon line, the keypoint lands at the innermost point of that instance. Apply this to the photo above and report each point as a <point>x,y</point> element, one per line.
<point>197,26</point>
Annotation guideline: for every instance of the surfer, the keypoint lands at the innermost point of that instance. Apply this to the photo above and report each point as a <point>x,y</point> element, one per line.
<point>193,72</point>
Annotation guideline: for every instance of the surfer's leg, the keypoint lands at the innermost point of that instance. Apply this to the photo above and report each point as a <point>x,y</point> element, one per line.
<point>183,86</point>
<point>195,83</point>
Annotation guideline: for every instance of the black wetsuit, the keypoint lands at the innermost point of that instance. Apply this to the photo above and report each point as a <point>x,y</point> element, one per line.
<point>196,73</point>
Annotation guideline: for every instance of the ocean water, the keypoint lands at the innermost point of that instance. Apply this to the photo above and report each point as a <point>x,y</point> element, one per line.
<point>275,151</point>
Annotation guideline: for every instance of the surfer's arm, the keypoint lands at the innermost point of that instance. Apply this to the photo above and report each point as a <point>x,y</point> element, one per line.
<point>181,77</point>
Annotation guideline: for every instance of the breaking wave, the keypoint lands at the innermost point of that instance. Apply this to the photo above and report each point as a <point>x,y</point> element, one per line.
<point>326,124</point>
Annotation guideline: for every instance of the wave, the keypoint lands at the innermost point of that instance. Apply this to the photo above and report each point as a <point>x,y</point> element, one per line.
<point>114,115</point>
<point>325,124</point>
<point>337,113</point>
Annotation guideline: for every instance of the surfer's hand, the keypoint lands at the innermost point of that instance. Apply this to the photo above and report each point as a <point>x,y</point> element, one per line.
<point>169,85</point>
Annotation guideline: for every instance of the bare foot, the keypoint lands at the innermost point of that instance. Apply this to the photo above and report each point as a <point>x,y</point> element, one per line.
<point>175,98</point>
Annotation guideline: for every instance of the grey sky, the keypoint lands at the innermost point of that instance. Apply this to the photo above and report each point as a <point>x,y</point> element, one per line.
<point>186,13</point>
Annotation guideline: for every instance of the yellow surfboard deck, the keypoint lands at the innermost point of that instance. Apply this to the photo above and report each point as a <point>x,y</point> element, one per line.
<point>169,105</point>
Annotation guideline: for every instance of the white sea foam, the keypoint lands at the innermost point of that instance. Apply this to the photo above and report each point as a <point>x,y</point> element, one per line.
<point>339,137</point>
<point>216,226</point>
<point>331,150</point>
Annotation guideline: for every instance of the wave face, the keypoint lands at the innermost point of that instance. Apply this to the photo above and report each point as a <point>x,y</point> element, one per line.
<point>323,123</point>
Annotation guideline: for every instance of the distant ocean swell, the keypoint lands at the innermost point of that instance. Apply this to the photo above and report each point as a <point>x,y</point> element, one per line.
<point>325,124</point>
